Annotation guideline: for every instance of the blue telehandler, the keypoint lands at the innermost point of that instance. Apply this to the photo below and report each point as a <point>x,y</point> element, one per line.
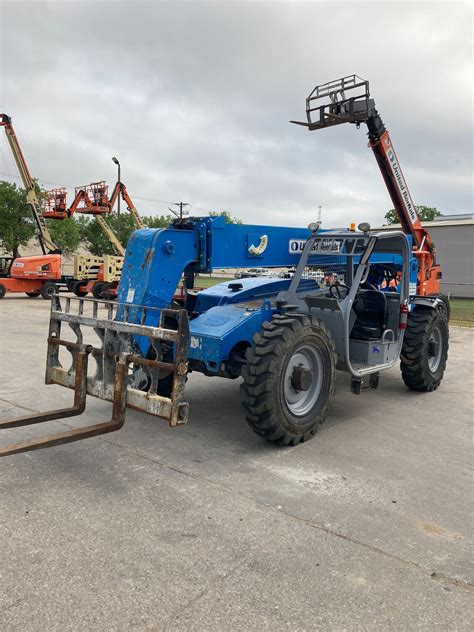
<point>357,302</point>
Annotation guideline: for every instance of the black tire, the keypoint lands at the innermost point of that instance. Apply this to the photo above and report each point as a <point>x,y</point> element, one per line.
<point>165,386</point>
<point>445,307</point>
<point>107,291</point>
<point>70,285</point>
<point>268,385</point>
<point>48,290</point>
<point>33,294</point>
<point>3,290</point>
<point>425,349</point>
<point>97,290</point>
<point>76,289</point>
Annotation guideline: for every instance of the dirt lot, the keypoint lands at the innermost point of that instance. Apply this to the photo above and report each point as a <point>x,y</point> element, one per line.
<point>207,527</point>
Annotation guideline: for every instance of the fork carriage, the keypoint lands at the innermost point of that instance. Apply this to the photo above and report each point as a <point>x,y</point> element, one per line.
<point>118,357</point>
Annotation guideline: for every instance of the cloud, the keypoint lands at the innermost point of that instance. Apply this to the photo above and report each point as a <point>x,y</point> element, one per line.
<point>195,100</point>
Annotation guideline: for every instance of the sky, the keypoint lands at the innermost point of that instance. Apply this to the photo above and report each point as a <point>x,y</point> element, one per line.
<point>195,98</point>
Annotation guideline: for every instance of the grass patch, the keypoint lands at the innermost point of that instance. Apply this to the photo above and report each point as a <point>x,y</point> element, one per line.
<point>462,312</point>
<point>205,281</point>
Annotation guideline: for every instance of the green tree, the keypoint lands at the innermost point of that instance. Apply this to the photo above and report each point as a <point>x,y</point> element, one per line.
<point>95,239</point>
<point>65,234</point>
<point>229,219</point>
<point>17,226</point>
<point>425,213</point>
<point>156,221</point>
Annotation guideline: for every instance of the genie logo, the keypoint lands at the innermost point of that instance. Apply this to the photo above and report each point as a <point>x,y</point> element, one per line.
<point>256,251</point>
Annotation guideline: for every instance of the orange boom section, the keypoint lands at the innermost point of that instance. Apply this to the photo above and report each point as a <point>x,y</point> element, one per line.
<point>41,267</point>
<point>348,100</point>
<point>429,271</point>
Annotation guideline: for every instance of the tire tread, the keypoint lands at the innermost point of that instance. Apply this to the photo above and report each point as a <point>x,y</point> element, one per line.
<point>261,368</point>
<point>413,358</point>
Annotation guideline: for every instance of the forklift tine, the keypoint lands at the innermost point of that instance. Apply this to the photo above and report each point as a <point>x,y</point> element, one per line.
<point>77,408</point>
<point>76,434</point>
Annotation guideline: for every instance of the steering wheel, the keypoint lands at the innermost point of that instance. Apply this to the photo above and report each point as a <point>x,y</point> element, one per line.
<point>339,290</point>
<point>390,276</point>
<point>383,276</point>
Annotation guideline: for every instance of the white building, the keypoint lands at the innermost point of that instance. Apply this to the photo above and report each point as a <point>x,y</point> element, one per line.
<point>453,236</point>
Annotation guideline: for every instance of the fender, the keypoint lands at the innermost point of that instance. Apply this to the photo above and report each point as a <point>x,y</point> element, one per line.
<point>426,301</point>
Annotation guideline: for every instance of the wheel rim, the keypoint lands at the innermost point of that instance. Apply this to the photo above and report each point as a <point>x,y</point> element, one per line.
<point>435,348</point>
<point>300,402</point>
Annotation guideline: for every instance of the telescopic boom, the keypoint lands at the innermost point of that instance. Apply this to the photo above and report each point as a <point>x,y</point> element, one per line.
<point>46,242</point>
<point>358,108</point>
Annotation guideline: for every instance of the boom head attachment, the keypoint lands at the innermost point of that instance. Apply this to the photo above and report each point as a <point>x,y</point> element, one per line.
<point>95,198</point>
<point>54,204</point>
<point>345,100</point>
<point>5,120</point>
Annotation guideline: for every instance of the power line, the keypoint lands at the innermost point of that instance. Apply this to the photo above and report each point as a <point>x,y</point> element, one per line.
<point>135,197</point>
<point>201,209</point>
<point>70,186</point>
<point>182,210</point>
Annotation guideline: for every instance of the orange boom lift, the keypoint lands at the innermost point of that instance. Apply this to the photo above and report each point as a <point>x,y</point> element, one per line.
<point>93,199</point>
<point>34,275</point>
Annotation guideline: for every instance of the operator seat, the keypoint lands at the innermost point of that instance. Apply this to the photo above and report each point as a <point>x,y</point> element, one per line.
<point>371,312</point>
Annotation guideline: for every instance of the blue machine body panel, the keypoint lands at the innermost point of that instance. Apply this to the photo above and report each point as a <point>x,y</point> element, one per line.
<point>229,318</point>
<point>154,264</point>
<point>252,289</point>
<point>216,332</point>
<point>155,259</point>
<point>223,317</point>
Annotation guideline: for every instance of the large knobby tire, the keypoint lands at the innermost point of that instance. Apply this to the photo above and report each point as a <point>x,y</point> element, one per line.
<point>76,289</point>
<point>97,290</point>
<point>107,291</point>
<point>425,349</point>
<point>48,290</point>
<point>289,378</point>
<point>445,307</point>
<point>3,290</point>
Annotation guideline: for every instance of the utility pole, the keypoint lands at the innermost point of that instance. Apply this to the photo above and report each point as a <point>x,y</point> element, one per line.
<point>182,210</point>
<point>115,160</point>
<point>319,214</point>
